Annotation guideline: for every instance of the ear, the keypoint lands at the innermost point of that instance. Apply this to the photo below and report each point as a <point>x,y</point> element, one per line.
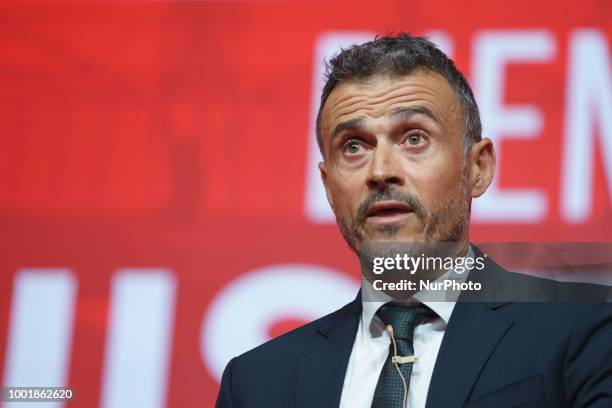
<point>323,170</point>
<point>482,166</point>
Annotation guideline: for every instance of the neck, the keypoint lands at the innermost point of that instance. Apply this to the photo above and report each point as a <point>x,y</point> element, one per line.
<point>387,266</point>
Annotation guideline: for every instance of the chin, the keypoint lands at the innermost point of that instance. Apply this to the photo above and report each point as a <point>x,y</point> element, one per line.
<point>395,233</point>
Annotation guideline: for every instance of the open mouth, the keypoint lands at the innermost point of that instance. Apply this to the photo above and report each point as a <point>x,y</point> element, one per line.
<point>388,211</point>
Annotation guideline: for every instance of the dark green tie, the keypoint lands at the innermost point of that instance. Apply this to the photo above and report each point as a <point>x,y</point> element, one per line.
<point>389,389</point>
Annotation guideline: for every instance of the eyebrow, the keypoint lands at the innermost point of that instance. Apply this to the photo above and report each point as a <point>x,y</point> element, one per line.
<point>400,113</point>
<point>407,113</point>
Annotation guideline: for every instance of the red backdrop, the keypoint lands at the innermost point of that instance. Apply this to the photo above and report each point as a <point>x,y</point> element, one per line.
<point>157,155</point>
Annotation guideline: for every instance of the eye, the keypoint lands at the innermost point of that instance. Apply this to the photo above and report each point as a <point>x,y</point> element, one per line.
<point>352,147</point>
<point>415,137</point>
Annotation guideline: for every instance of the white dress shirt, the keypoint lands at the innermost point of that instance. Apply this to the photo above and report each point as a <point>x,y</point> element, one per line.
<point>371,349</point>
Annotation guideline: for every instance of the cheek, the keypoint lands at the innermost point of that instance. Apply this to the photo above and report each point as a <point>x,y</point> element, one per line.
<point>346,190</point>
<point>439,185</point>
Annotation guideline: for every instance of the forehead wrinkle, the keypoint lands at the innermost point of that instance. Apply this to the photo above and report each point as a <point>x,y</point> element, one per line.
<point>379,97</point>
<point>375,109</point>
<point>363,97</point>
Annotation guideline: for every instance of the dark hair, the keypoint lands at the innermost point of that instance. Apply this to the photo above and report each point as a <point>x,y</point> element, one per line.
<point>398,55</point>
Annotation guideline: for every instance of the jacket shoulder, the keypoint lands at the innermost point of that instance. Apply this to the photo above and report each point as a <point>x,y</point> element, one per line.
<point>287,346</point>
<point>265,375</point>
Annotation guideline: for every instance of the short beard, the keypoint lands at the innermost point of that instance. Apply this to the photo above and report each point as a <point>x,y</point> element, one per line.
<point>444,236</point>
<point>447,225</point>
<point>451,224</point>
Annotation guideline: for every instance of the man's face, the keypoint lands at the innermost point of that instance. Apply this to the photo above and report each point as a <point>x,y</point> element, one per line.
<point>394,165</point>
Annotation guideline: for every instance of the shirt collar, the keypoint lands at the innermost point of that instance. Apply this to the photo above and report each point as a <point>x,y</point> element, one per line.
<point>444,309</point>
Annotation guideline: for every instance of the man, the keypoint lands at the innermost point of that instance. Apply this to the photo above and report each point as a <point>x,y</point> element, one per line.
<point>400,134</point>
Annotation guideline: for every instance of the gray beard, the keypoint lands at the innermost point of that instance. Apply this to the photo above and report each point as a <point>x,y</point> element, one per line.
<point>445,226</point>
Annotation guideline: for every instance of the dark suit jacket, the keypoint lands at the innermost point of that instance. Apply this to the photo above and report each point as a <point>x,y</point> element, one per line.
<point>502,353</point>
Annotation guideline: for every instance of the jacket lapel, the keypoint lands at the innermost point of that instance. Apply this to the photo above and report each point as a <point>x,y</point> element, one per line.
<point>473,332</point>
<point>322,367</point>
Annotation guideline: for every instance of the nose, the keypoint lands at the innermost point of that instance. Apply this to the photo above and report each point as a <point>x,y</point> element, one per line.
<point>384,171</point>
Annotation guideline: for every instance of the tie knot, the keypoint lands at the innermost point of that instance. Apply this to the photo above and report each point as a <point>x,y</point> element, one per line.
<point>403,318</point>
